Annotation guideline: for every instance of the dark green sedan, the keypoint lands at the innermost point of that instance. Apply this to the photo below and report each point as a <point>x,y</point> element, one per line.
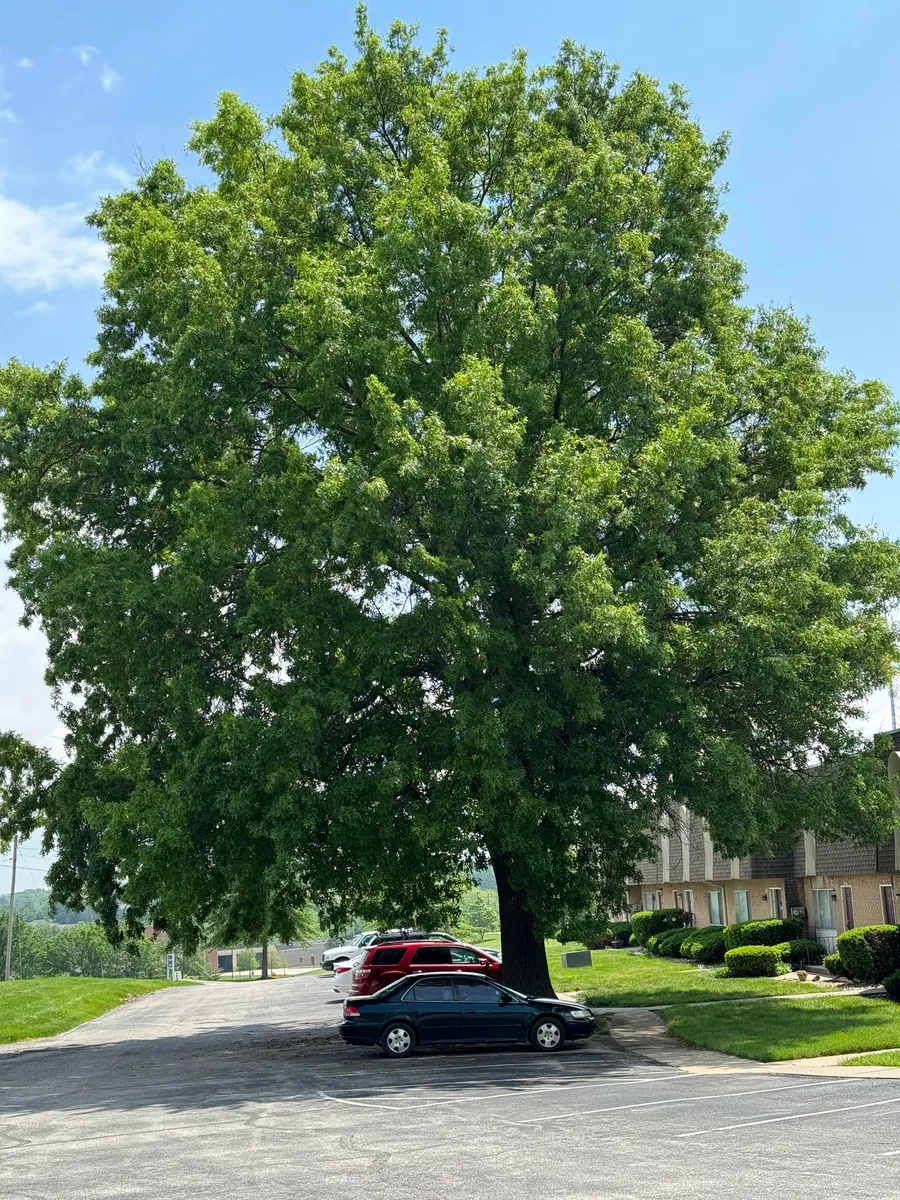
<point>448,1009</point>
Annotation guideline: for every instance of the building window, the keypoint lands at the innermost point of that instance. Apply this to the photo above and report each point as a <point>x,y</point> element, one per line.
<point>716,908</point>
<point>652,900</point>
<point>887,904</point>
<point>847,902</point>
<point>687,902</point>
<point>776,902</point>
<point>741,906</point>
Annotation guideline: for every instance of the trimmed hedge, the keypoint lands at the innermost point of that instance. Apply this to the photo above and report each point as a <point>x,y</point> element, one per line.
<point>746,961</point>
<point>870,952</point>
<point>892,986</point>
<point>620,930</point>
<point>763,933</point>
<point>670,943</point>
<point>645,924</point>
<point>704,945</point>
<point>800,952</point>
<point>832,963</point>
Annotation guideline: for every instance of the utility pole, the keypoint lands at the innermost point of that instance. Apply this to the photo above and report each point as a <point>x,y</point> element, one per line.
<point>893,712</point>
<point>12,902</point>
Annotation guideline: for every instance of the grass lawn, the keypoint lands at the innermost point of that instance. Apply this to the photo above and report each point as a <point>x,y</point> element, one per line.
<point>781,1030</point>
<point>619,978</point>
<point>891,1059</point>
<point>31,1008</point>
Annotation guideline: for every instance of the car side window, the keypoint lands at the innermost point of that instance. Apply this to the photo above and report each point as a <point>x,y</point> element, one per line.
<point>432,955</point>
<point>387,957</point>
<point>476,992</point>
<point>459,954</point>
<point>431,992</point>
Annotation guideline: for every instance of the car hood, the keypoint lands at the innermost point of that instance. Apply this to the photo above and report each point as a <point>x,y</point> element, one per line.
<point>340,950</point>
<point>546,1001</point>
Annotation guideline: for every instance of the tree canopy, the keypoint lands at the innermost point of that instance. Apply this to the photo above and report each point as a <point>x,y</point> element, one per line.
<point>437,500</point>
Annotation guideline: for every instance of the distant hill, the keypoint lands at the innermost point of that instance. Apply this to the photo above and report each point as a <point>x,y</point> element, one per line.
<point>33,904</point>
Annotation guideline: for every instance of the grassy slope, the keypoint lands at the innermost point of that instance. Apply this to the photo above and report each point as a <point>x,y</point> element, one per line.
<point>891,1059</point>
<point>782,1030</point>
<point>619,978</point>
<point>31,1008</point>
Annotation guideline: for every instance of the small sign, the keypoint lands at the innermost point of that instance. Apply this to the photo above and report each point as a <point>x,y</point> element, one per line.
<point>170,966</point>
<point>577,958</point>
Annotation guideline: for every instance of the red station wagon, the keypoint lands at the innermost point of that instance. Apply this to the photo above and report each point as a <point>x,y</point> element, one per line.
<point>383,964</point>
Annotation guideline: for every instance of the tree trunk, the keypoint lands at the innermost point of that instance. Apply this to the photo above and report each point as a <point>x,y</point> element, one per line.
<point>264,965</point>
<point>524,958</point>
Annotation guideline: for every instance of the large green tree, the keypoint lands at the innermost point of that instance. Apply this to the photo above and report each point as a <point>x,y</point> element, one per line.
<point>436,499</point>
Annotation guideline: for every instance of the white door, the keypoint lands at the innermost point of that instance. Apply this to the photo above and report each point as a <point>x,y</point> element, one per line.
<point>824,916</point>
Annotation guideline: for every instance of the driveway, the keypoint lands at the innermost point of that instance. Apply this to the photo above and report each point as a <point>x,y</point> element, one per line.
<point>227,1089</point>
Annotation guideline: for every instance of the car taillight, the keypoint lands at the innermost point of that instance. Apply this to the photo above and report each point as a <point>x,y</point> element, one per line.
<point>360,974</point>
<point>350,1010</point>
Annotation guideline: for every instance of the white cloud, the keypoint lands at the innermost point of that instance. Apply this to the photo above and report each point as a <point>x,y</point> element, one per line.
<point>7,114</point>
<point>24,64</point>
<point>109,78</point>
<point>47,248</point>
<point>84,54</point>
<point>34,310</point>
<point>90,168</point>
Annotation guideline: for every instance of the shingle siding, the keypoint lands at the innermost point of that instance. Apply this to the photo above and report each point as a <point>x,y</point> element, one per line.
<point>845,858</point>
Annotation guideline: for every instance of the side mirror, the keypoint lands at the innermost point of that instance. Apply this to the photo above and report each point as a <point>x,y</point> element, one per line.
<point>504,999</point>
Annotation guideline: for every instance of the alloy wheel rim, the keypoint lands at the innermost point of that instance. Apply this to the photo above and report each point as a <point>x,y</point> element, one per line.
<point>398,1040</point>
<point>548,1035</point>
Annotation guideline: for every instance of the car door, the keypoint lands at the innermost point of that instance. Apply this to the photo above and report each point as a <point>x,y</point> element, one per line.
<point>490,1014</point>
<point>434,1008</point>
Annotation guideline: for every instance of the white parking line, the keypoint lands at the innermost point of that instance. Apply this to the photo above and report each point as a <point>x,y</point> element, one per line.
<point>824,1112</point>
<point>561,1087</point>
<point>677,1100</point>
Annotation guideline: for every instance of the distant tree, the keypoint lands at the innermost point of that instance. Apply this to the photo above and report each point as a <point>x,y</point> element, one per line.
<point>247,960</point>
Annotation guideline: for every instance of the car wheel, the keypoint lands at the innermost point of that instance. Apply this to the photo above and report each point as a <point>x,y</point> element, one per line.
<point>398,1040</point>
<point>547,1034</point>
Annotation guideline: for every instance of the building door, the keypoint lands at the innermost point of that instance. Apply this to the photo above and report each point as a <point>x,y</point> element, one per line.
<point>847,899</point>
<point>887,904</point>
<point>825,917</point>
<point>776,902</point>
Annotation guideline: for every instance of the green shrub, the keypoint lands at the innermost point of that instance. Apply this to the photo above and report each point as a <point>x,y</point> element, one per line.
<point>670,943</point>
<point>746,961</point>
<point>652,942</point>
<point>620,931</point>
<point>763,933</point>
<point>705,945</point>
<point>832,963</point>
<point>892,986</point>
<point>645,924</point>
<point>870,952</point>
<point>803,951</point>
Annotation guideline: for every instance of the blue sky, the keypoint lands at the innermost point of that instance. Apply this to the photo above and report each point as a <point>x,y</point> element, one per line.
<point>809,92</point>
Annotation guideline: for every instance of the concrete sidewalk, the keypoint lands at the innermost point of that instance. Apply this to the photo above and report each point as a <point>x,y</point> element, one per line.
<point>643,1031</point>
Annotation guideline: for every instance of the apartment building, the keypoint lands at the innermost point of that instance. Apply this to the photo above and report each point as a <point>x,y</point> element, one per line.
<point>832,886</point>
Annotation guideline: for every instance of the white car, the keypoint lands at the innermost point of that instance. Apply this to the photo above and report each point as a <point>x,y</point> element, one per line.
<point>343,975</point>
<point>343,954</point>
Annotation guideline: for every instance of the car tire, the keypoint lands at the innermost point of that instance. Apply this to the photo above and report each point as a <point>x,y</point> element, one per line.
<point>548,1034</point>
<point>398,1040</point>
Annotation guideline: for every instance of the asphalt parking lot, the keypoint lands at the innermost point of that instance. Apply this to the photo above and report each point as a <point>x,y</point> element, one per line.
<point>221,1090</point>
